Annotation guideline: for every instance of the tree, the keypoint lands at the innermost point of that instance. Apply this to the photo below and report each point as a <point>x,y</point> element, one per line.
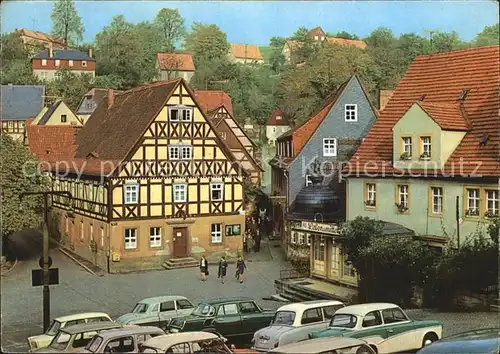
<point>171,25</point>
<point>66,23</point>
<point>443,42</point>
<point>15,63</point>
<point>18,174</point>
<point>19,72</point>
<point>206,42</point>
<point>490,35</point>
<point>69,87</point>
<point>301,34</point>
<point>151,42</point>
<point>345,35</point>
<point>277,42</point>
<point>357,235</point>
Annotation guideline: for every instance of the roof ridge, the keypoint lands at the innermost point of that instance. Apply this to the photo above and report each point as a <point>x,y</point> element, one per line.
<point>457,51</point>
<point>149,85</point>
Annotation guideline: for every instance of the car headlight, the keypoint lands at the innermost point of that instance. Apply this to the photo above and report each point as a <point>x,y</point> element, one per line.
<point>276,343</point>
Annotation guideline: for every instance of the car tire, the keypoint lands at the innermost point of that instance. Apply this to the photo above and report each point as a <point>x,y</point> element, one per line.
<point>429,338</point>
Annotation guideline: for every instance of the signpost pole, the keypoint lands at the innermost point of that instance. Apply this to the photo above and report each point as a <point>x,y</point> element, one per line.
<point>46,290</point>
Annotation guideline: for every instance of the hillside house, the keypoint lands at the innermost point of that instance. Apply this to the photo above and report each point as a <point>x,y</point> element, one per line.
<point>245,54</point>
<point>35,40</point>
<point>47,63</point>
<point>174,65</point>
<point>276,125</point>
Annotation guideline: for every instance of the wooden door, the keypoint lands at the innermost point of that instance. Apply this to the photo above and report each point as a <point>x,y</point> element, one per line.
<point>179,238</point>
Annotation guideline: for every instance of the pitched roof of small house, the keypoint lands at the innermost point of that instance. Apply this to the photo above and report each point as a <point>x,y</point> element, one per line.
<point>97,95</point>
<point>347,42</point>
<point>20,102</point>
<point>447,115</point>
<point>246,51</point>
<point>274,121</point>
<point>442,78</point>
<point>52,142</point>
<point>64,54</point>
<point>316,31</point>
<point>175,61</point>
<point>212,99</point>
<point>41,36</point>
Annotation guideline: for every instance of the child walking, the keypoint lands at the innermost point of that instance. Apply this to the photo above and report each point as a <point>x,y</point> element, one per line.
<point>240,269</point>
<point>222,269</point>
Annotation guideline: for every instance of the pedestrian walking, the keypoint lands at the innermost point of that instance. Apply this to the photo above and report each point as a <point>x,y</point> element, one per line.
<point>203,268</point>
<point>222,269</point>
<point>240,268</point>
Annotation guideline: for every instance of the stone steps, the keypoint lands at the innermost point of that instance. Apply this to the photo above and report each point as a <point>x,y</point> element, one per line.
<point>179,263</point>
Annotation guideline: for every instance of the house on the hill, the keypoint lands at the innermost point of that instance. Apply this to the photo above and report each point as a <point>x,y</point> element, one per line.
<point>34,40</point>
<point>277,125</point>
<point>57,114</point>
<point>316,34</point>
<point>212,99</point>
<point>47,63</point>
<point>152,182</point>
<point>434,145</point>
<point>346,42</point>
<point>173,65</point>
<point>90,101</point>
<point>245,54</point>
<point>18,104</point>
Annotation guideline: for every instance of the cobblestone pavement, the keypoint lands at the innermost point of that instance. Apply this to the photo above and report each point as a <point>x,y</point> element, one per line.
<point>80,291</point>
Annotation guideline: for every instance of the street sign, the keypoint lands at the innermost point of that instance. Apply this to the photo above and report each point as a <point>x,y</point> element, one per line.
<point>40,262</point>
<point>37,277</point>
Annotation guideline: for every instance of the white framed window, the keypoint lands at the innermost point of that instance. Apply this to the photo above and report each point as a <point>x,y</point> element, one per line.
<point>186,152</point>
<point>473,202</point>
<point>371,195</point>
<point>180,192</point>
<point>67,225</point>
<point>58,62</point>
<point>102,237</point>
<point>351,112</point>
<point>403,195</point>
<point>278,117</point>
<point>10,124</point>
<point>131,191</point>
<point>180,114</point>
<point>174,152</point>
<point>407,145</point>
<point>309,239</point>
<point>44,74</point>
<point>216,233</point>
<point>84,63</point>
<point>308,180</point>
<point>294,237</point>
<point>130,239</point>
<point>437,200</point>
<point>155,236</point>
<point>92,232</point>
<point>180,152</point>
<point>44,62</point>
<point>426,147</point>
<point>81,231</point>
<point>301,238</point>
<point>216,191</point>
<point>329,147</point>
<point>316,38</point>
<point>492,202</point>
<point>70,62</point>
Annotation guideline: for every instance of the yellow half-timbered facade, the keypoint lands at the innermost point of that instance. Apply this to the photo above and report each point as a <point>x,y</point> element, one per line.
<point>151,180</point>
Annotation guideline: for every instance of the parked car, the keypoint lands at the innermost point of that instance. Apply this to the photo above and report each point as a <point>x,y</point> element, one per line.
<point>294,322</point>
<point>122,340</point>
<point>480,341</point>
<point>191,342</point>
<point>385,326</point>
<point>43,340</point>
<point>73,339</point>
<point>157,311</point>
<point>326,346</point>
<point>237,319</point>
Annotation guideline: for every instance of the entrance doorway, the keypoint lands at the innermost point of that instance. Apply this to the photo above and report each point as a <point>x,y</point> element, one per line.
<point>179,237</point>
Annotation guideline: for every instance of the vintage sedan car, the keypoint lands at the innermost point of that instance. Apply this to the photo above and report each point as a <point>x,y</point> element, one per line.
<point>122,340</point>
<point>294,322</point>
<point>237,319</point>
<point>158,311</point>
<point>191,342</point>
<point>73,339</point>
<point>385,326</point>
<point>335,345</point>
<point>43,340</point>
<point>480,341</point>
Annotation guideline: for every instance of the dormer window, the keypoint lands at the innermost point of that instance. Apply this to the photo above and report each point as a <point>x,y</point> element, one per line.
<point>180,114</point>
<point>425,147</point>
<point>351,112</point>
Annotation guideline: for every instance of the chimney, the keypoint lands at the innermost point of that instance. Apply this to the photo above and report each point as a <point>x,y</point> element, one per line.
<point>111,97</point>
<point>51,52</point>
<point>90,52</point>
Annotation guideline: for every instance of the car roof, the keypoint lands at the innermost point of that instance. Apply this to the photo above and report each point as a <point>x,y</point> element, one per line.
<point>157,299</point>
<point>363,309</point>
<point>313,346</point>
<point>167,340</point>
<point>79,316</point>
<point>301,306</point>
<point>130,331</point>
<point>227,299</point>
<point>88,327</point>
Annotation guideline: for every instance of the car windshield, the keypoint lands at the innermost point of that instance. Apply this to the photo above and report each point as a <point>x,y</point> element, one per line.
<point>60,341</point>
<point>54,328</point>
<point>284,318</point>
<point>94,344</point>
<point>140,308</point>
<point>343,320</point>
<point>204,310</point>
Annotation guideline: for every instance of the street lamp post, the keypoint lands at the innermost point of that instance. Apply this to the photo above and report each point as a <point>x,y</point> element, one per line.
<point>45,254</point>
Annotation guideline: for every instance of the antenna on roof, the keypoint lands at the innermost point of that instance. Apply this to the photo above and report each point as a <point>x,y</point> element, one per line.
<point>463,94</point>
<point>483,140</point>
<point>421,98</point>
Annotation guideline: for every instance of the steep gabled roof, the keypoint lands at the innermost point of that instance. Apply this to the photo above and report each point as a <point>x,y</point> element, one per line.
<point>347,42</point>
<point>213,112</point>
<point>52,142</point>
<point>246,51</point>
<point>273,119</point>
<point>175,61</point>
<point>212,99</point>
<point>442,78</point>
<point>316,31</point>
<point>39,36</point>
<point>447,115</point>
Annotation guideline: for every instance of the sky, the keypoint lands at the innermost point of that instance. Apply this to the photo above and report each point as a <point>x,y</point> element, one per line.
<point>254,22</point>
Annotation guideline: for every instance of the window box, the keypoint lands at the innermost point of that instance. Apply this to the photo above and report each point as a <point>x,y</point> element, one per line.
<point>491,214</point>
<point>401,208</point>
<point>425,156</point>
<point>370,203</point>
<point>405,156</point>
<point>472,212</point>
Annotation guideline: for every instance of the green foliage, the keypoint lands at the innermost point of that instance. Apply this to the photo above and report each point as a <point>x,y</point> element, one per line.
<point>444,42</point>
<point>69,87</point>
<point>490,35</point>
<point>206,42</point>
<point>171,24</point>
<point>19,73</point>
<point>15,62</point>
<point>19,174</point>
<point>300,34</point>
<point>494,229</point>
<point>66,23</point>
<point>344,34</point>
<point>357,235</point>
<point>277,42</point>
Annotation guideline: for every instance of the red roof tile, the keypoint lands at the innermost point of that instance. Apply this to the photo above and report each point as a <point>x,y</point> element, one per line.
<point>346,42</point>
<point>51,142</point>
<point>175,61</point>
<point>273,120</point>
<point>447,115</point>
<point>246,51</point>
<point>442,78</point>
<point>211,99</point>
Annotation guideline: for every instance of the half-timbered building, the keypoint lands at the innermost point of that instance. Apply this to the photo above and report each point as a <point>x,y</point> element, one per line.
<point>151,180</point>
